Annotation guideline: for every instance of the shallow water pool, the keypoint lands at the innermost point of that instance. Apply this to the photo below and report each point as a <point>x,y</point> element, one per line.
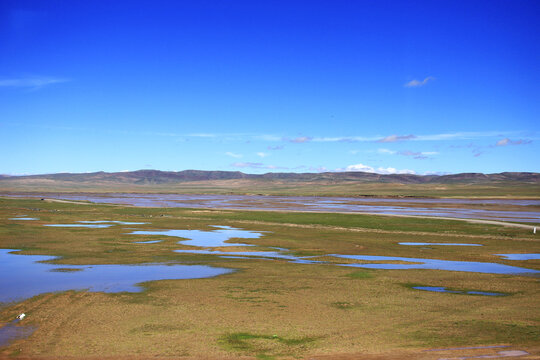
<point>462,292</point>
<point>201,238</point>
<point>30,275</point>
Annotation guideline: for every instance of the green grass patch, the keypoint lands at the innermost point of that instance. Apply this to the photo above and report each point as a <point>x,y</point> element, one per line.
<point>264,346</point>
<point>361,275</point>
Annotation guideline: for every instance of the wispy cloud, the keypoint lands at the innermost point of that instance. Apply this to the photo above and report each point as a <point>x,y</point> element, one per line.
<point>300,139</point>
<point>379,170</point>
<point>459,135</point>
<point>256,165</point>
<point>261,154</point>
<point>344,139</point>
<point>418,83</point>
<point>507,141</point>
<point>418,155</point>
<point>203,135</point>
<point>462,135</point>
<point>386,151</point>
<point>318,169</point>
<point>234,155</point>
<point>394,138</point>
<point>32,83</point>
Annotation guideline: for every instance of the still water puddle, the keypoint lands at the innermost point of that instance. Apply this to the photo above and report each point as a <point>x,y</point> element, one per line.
<point>148,242</point>
<point>462,292</point>
<point>111,222</point>
<point>201,238</point>
<point>433,264</point>
<point>12,331</point>
<point>269,255</point>
<point>95,226</point>
<point>390,206</point>
<point>29,276</point>
<point>23,218</point>
<point>520,256</point>
<point>437,244</point>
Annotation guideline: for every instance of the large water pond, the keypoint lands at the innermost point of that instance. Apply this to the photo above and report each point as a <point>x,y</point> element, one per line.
<point>29,275</point>
<point>387,206</point>
<point>211,238</point>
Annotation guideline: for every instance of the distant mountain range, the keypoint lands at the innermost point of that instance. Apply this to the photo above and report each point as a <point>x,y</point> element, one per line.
<point>142,177</point>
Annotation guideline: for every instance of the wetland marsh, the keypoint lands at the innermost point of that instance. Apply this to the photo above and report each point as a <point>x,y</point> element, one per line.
<point>292,285</point>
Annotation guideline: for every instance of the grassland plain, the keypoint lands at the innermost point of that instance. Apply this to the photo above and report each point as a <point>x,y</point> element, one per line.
<point>272,309</point>
<point>501,189</point>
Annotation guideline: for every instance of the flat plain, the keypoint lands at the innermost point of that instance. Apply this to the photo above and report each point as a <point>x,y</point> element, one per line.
<point>274,308</point>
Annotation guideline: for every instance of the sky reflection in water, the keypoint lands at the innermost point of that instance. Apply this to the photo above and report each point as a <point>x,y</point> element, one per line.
<point>462,292</point>
<point>201,238</point>
<point>29,276</point>
<point>217,238</point>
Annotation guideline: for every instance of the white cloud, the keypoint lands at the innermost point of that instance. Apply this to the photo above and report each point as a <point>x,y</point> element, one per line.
<point>33,83</point>
<point>379,170</point>
<point>231,154</point>
<point>386,151</point>
<point>507,141</point>
<point>417,154</point>
<point>394,138</point>
<point>344,139</point>
<point>256,165</point>
<point>360,167</point>
<point>261,154</point>
<point>418,83</point>
<point>301,139</point>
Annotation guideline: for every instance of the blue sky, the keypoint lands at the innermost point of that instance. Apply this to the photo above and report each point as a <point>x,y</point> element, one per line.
<point>264,86</point>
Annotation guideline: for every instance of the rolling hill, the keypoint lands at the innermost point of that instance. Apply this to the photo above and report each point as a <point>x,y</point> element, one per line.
<point>506,184</point>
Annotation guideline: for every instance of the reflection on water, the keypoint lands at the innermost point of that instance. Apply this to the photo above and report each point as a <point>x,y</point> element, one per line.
<point>29,276</point>
<point>12,331</point>
<point>111,222</point>
<point>388,206</point>
<point>253,255</point>
<point>213,238</point>
<point>520,256</point>
<point>462,292</point>
<point>23,218</point>
<point>433,264</point>
<point>438,244</point>
<point>95,226</point>
<point>217,238</point>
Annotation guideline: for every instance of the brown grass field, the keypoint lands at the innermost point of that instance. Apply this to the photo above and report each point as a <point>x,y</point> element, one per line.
<point>273,309</point>
<point>507,189</point>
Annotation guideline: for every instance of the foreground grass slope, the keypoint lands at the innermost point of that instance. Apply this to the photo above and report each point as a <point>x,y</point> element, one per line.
<point>271,308</point>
